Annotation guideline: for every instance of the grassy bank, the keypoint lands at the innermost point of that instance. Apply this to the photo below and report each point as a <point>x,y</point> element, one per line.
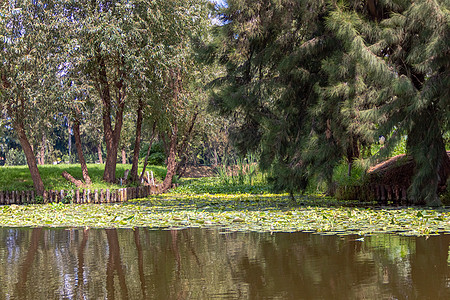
<point>208,203</point>
<point>18,178</point>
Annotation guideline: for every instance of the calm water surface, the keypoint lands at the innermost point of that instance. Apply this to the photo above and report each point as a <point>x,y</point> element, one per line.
<point>209,264</point>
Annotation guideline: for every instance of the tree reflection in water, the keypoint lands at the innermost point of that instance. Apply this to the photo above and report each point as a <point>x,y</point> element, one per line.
<point>202,264</point>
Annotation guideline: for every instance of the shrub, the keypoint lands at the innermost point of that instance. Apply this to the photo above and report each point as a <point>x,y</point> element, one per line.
<point>352,187</point>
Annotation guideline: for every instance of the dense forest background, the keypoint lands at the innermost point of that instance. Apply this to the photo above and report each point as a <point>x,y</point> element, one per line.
<point>307,87</point>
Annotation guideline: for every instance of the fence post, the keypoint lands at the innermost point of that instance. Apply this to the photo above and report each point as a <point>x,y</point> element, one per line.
<point>108,195</point>
<point>2,197</point>
<point>102,196</point>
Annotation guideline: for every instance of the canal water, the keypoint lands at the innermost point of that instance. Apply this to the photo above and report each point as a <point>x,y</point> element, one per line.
<point>194,263</point>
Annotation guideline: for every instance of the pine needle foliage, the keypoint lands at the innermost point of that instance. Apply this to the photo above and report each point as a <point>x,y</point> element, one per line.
<point>313,83</point>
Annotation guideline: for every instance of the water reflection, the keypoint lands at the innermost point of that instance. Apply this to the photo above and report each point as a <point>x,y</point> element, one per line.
<point>204,264</point>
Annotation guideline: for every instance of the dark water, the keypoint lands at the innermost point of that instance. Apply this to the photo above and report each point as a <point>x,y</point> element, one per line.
<point>207,264</point>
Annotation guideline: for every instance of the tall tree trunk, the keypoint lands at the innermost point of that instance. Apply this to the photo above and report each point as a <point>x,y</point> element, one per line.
<point>124,155</point>
<point>137,142</point>
<point>353,153</point>
<point>216,158</point>
<point>148,152</point>
<point>111,136</point>
<point>175,82</point>
<point>76,134</point>
<point>41,159</point>
<point>99,152</point>
<point>184,149</point>
<point>171,161</point>
<point>31,159</point>
<point>70,141</point>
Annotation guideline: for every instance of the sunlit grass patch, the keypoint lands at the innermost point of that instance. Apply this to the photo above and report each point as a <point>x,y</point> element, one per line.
<point>214,185</point>
<point>18,178</point>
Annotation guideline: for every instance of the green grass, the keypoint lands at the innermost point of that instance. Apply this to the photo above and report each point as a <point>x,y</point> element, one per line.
<point>215,185</point>
<point>18,178</point>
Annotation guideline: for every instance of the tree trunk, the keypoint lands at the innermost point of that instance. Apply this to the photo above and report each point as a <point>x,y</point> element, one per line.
<point>171,161</point>
<point>84,169</point>
<point>111,136</point>
<point>70,141</point>
<point>78,183</point>
<point>184,149</point>
<point>146,156</point>
<point>124,156</point>
<point>31,159</point>
<point>99,152</point>
<point>41,160</point>
<point>137,142</point>
<point>148,151</point>
<point>216,158</point>
<point>353,153</point>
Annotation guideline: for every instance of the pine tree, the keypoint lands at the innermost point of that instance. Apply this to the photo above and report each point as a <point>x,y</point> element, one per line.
<point>407,59</point>
<point>313,82</point>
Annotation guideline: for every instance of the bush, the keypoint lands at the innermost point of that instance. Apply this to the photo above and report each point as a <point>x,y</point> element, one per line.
<point>15,157</point>
<point>352,187</point>
<point>157,156</point>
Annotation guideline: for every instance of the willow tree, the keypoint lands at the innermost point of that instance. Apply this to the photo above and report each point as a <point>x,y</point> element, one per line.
<point>27,43</point>
<point>118,49</point>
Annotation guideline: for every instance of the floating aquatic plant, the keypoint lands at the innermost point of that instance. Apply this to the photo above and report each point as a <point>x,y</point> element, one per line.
<point>238,212</point>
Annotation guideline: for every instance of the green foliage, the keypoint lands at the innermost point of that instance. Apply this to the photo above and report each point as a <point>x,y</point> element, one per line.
<point>357,177</point>
<point>215,185</point>
<point>39,199</point>
<point>157,156</point>
<point>240,171</point>
<point>312,83</point>
<point>68,198</point>
<point>15,157</point>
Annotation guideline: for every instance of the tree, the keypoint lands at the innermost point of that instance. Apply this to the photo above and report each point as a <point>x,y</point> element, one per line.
<point>272,52</point>
<point>312,82</point>
<point>27,43</point>
<point>406,58</point>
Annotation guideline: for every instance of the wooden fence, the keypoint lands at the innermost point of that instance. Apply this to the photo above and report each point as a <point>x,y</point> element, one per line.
<point>78,196</point>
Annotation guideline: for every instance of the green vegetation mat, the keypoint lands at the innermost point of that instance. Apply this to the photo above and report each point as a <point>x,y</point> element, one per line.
<point>255,210</point>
